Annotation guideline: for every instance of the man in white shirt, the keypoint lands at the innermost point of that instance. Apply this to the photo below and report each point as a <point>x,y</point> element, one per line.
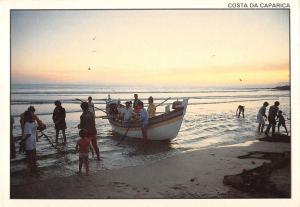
<point>127,112</point>
<point>144,119</point>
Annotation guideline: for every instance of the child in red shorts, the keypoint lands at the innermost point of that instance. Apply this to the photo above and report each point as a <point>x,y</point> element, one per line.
<point>83,146</point>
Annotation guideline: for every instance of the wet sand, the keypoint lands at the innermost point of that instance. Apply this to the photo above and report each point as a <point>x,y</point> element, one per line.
<point>198,174</point>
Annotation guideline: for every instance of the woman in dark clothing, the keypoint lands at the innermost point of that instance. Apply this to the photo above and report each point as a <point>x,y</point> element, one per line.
<point>59,119</point>
<point>87,122</point>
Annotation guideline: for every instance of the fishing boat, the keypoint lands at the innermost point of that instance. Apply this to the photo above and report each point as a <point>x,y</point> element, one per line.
<point>161,127</point>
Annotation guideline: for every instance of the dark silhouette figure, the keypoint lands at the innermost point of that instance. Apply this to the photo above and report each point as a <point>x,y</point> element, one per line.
<point>240,110</point>
<point>272,118</point>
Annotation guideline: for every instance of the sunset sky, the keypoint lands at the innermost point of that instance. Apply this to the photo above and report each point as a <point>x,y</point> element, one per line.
<point>150,47</point>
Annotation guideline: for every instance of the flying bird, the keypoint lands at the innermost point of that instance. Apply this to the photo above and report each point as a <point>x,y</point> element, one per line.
<point>89,68</point>
<point>241,79</point>
<point>213,55</point>
<point>94,38</point>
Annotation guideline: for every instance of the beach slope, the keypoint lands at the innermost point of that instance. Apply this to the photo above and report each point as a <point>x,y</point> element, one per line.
<point>197,174</point>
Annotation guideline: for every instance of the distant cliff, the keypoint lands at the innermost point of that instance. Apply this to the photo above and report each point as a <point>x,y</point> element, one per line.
<point>282,88</point>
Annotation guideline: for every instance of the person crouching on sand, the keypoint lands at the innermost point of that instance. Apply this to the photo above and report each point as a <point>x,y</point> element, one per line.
<point>281,122</point>
<point>83,146</point>
<point>240,110</point>
<point>59,119</point>
<point>260,117</point>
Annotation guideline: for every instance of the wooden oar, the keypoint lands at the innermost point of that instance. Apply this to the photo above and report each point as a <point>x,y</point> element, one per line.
<point>123,137</point>
<point>94,106</point>
<point>102,117</point>
<point>162,102</point>
<point>51,143</point>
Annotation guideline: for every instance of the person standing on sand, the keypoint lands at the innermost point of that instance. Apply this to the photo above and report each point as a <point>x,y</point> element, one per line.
<point>151,108</point>
<point>87,122</point>
<point>83,146</point>
<point>240,110</point>
<point>260,117</point>
<point>271,118</point>
<point>91,105</point>
<point>144,120</point>
<point>59,119</point>
<point>281,122</point>
<point>29,140</point>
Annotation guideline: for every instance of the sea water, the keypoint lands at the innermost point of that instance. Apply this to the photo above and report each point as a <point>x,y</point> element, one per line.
<point>209,122</point>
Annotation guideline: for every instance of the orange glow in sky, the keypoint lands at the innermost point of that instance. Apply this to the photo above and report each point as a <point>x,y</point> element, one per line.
<point>146,47</point>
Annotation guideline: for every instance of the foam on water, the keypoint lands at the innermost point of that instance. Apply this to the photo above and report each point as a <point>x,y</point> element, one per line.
<point>209,122</point>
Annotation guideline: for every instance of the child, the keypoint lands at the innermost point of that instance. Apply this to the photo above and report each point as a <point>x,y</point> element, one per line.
<point>260,117</point>
<point>281,121</point>
<point>83,144</point>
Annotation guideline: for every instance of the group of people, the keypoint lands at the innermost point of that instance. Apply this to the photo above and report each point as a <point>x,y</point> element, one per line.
<point>274,115</point>
<point>132,111</point>
<point>30,123</point>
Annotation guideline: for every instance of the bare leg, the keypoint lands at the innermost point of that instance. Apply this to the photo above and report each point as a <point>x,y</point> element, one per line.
<point>56,135</point>
<point>286,130</point>
<point>92,151</point>
<point>262,128</point>
<point>86,162</point>
<point>64,136</point>
<point>95,146</point>
<point>32,160</point>
<point>80,164</point>
<point>273,129</point>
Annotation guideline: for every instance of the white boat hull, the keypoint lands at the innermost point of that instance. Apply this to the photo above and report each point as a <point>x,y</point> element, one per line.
<point>167,130</point>
<point>162,127</point>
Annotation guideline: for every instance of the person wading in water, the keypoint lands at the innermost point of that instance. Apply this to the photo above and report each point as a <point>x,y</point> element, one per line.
<point>87,122</point>
<point>59,119</point>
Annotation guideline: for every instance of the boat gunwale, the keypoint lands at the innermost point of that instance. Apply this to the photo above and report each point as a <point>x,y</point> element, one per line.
<point>152,121</point>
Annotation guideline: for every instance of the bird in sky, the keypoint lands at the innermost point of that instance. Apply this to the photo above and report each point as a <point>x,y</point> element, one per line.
<point>94,38</point>
<point>89,68</point>
<point>241,79</point>
<point>213,55</point>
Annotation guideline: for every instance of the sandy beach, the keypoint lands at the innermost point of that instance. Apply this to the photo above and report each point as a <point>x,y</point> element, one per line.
<point>198,174</point>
